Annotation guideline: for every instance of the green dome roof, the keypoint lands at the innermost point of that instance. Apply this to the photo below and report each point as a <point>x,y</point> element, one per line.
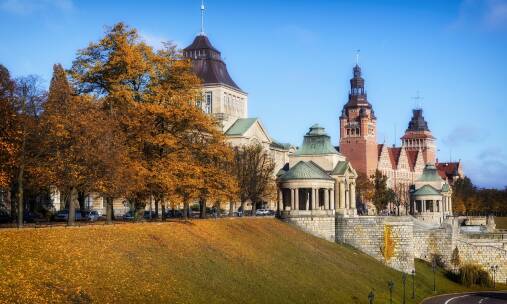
<point>426,190</point>
<point>316,142</point>
<point>305,170</point>
<point>430,174</point>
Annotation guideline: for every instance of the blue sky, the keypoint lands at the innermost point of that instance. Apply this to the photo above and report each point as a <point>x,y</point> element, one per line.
<point>295,58</point>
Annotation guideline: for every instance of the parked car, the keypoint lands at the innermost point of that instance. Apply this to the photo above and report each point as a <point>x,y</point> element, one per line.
<point>5,217</point>
<point>92,216</point>
<point>32,217</point>
<point>129,216</point>
<point>147,216</point>
<point>62,215</point>
<point>261,212</point>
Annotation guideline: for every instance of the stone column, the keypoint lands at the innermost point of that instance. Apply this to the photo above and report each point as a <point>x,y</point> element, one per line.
<point>307,199</point>
<point>332,201</point>
<point>296,199</point>
<point>280,200</point>
<point>291,199</point>
<point>326,199</point>
<point>353,195</point>
<point>423,206</point>
<point>313,198</point>
<point>317,198</point>
<point>342,195</point>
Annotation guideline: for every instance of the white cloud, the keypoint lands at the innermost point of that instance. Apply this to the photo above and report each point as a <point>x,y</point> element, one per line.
<point>465,134</point>
<point>155,41</point>
<point>26,7</point>
<point>482,15</point>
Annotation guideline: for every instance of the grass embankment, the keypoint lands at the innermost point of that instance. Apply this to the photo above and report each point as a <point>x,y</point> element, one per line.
<point>501,222</point>
<point>209,261</point>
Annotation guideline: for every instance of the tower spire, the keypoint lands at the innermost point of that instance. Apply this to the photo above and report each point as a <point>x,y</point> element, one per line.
<point>417,100</point>
<point>202,18</point>
<point>357,56</point>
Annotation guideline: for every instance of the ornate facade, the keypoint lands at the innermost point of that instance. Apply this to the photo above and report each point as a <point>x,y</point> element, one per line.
<point>318,180</point>
<point>401,165</point>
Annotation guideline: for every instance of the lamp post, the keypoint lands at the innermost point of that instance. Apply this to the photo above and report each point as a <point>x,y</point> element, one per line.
<point>404,280</point>
<point>371,297</point>
<point>494,269</point>
<point>390,285</point>
<point>434,268</point>
<point>413,284</point>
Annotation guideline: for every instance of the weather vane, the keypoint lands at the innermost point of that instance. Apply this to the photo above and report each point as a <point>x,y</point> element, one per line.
<point>202,17</point>
<point>417,99</point>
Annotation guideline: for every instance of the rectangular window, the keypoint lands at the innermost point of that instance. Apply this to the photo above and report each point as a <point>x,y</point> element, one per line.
<point>208,102</point>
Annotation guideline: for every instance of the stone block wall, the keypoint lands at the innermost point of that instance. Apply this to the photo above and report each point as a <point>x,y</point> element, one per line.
<point>368,234</point>
<point>484,255</point>
<point>431,242</point>
<point>320,224</point>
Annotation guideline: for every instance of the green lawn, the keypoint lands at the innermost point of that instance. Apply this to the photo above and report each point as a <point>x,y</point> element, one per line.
<point>208,261</point>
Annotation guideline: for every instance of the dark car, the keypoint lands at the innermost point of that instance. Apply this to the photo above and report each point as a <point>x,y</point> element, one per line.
<point>147,216</point>
<point>32,217</point>
<point>62,215</point>
<point>5,217</point>
<point>129,216</point>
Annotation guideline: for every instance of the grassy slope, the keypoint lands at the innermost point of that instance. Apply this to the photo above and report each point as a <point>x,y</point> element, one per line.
<point>225,261</point>
<point>501,222</point>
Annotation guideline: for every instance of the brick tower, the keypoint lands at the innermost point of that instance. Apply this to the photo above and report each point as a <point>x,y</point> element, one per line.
<point>358,126</point>
<point>418,137</point>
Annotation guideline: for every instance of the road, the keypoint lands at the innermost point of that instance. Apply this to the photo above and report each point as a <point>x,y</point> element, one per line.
<point>470,298</point>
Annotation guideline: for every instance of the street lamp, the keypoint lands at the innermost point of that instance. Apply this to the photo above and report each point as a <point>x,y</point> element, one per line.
<point>404,280</point>
<point>434,268</point>
<point>494,269</point>
<point>371,296</point>
<point>413,284</point>
<point>390,285</point>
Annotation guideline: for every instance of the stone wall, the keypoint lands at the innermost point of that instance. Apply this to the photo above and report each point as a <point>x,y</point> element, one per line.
<point>320,223</point>
<point>434,242</point>
<point>373,234</point>
<point>484,255</point>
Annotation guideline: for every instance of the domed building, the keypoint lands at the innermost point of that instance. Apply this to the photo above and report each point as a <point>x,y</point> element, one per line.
<point>318,179</point>
<point>431,196</point>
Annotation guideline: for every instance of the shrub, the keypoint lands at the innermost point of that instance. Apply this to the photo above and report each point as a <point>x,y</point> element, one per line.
<point>473,274</point>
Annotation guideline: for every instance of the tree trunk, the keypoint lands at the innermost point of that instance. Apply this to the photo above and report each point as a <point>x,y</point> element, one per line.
<point>163,210</point>
<point>20,194</point>
<point>185,210</point>
<point>156,208</point>
<point>72,207</point>
<point>202,207</point>
<point>242,208</point>
<point>254,208</point>
<point>109,210</point>
<point>218,212</point>
<point>231,208</point>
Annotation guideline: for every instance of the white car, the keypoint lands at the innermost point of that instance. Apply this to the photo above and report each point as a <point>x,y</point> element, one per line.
<point>262,212</point>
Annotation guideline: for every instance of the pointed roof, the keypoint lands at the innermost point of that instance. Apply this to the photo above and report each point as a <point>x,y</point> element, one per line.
<point>430,174</point>
<point>207,62</point>
<point>417,123</point>
<point>305,170</point>
<point>240,126</point>
<point>357,94</point>
<point>394,156</point>
<point>412,158</point>
<point>316,142</point>
<point>341,168</point>
<point>426,190</point>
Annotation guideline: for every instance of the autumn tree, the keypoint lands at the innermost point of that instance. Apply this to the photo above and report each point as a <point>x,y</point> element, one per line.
<point>381,196</point>
<point>254,170</point>
<point>364,189</point>
<point>8,129</point>
<point>151,96</point>
<point>28,100</point>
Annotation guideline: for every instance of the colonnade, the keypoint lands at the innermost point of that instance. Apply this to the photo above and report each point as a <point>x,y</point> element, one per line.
<point>341,195</point>
<point>444,205</point>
